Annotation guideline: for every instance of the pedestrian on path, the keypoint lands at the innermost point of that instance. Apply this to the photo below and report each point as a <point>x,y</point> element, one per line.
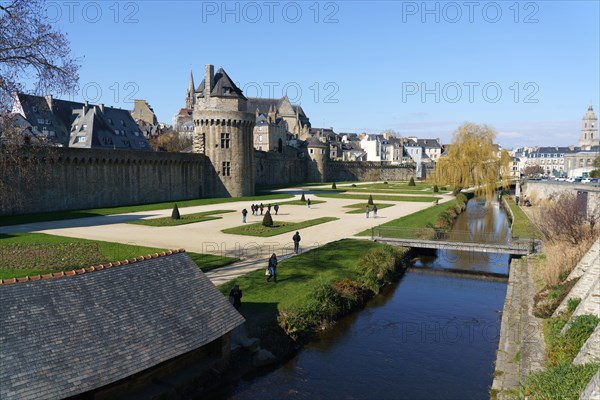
<point>269,208</point>
<point>367,211</point>
<point>276,208</point>
<point>244,213</point>
<point>296,239</point>
<point>308,202</point>
<point>235,297</point>
<point>272,268</point>
<point>261,208</point>
<point>374,211</point>
<point>517,200</point>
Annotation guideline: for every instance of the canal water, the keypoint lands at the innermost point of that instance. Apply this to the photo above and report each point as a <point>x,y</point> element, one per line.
<point>430,336</point>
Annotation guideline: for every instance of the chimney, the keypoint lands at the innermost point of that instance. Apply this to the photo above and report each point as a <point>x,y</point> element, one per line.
<point>49,101</point>
<point>85,107</point>
<point>209,76</point>
<point>101,107</point>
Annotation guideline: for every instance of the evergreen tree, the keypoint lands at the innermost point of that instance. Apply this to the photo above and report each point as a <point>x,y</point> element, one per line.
<point>303,198</point>
<point>412,182</point>
<point>333,186</point>
<point>370,202</point>
<point>267,220</point>
<point>175,213</point>
<point>435,189</point>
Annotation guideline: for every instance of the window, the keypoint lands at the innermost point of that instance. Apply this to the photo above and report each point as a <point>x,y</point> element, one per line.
<point>311,151</point>
<point>141,112</point>
<point>34,108</point>
<point>226,168</point>
<point>322,151</point>
<point>84,126</point>
<point>225,139</point>
<point>80,139</point>
<point>122,123</point>
<point>41,121</point>
<point>260,138</point>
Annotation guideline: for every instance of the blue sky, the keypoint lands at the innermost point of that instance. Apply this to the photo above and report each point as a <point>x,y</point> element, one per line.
<point>528,69</point>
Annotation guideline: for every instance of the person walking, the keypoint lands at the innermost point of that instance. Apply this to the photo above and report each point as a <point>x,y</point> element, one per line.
<point>308,202</point>
<point>253,208</point>
<point>367,211</point>
<point>517,200</point>
<point>276,208</point>
<point>261,208</point>
<point>244,213</point>
<point>235,297</point>
<point>375,211</point>
<point>272,268</point>
<point>269,208</point>
<point>296,239</point>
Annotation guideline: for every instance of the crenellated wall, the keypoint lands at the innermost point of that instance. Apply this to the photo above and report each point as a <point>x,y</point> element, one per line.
<point>71,179</point>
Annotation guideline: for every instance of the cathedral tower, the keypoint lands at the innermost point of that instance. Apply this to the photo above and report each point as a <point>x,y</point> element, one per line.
<point>223,132</point>
<point>589,129</point>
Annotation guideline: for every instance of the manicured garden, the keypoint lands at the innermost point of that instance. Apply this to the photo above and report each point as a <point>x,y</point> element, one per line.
<point>379,197</point>
<point>279,227</point>
<point>95,212</point>
<point>183,220</point>
<point>27,254</point>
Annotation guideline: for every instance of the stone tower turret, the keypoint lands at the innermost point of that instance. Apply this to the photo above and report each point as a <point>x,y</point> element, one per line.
<point>191,93</point>
<point>589,129</point>
<point>318,152</point>
<point>223,132</point>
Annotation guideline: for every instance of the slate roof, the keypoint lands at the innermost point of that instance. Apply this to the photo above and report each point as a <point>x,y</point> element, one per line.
<point>263,105</point>
<point>61,336</point>
<point>223,86</point>
<point>105,127</point>
<point>314,142</point>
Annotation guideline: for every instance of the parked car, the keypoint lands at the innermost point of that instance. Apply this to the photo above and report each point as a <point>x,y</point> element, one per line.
<point>586,180</point>
<point>570,180</point>
<point>561,179</point>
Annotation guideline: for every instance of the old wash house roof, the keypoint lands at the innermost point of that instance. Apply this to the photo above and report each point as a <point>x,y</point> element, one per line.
<point>68,333</point>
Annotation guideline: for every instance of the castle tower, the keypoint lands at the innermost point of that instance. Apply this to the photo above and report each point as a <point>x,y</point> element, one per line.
<point>318,152</point>
<point>223,132</point>
<point>589,129</point>
<point>191,93</point>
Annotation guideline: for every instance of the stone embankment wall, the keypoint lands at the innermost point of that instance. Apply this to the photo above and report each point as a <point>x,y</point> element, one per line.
<point>71,179</point>
<point>538,190</point>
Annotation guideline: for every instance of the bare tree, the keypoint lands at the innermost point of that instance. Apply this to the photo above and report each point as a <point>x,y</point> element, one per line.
<point>562,218</point>
<point>31,49</point>
<point>532,170</point>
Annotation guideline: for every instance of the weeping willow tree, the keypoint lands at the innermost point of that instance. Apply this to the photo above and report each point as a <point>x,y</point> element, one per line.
<point>473,160</point>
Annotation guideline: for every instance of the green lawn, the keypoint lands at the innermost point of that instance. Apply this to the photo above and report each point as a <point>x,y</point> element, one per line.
<point>298,275</point>
<point>279,227</point>
<point>94,212</point>
<point>522,225</point>
<point>25,254</point>
<point>185,219</point>
<point>360,208</point>
<point>420,219</point>
<point>379,197</point>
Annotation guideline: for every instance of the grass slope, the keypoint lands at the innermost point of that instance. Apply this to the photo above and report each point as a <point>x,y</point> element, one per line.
<point>423,199</point>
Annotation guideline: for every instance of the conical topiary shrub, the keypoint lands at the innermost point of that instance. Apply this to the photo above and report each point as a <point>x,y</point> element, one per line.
<point>267,220</point>
<point>435,189</point>
<point>412,182</point>
<point>370,202</point>
<point>302,198</point>
<point>333,186</point>
<point>175,213</point>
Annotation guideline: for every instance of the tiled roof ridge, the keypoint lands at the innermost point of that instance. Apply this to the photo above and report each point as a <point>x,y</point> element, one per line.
<point>91,268</point>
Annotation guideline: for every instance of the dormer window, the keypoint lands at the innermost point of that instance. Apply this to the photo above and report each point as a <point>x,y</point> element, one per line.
<point>226,90</point>
<point>35,109</point>
<point>84,126</point>
<point>122,123</point>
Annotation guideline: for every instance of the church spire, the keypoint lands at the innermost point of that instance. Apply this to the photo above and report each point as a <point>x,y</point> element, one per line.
<point>190,95</point>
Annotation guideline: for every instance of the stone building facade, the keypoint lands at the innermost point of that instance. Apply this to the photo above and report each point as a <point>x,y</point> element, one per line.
<point>143,112</point>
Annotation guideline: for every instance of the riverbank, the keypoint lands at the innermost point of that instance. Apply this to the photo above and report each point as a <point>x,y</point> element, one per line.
<point>550,337</point>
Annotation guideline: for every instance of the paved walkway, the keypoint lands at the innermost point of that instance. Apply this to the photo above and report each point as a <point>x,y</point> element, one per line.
<point>206,237</point>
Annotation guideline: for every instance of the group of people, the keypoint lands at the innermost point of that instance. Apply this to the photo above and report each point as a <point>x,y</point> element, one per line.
<point>525,200</point>
<point>367,211</point>
<point>256,208</point>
